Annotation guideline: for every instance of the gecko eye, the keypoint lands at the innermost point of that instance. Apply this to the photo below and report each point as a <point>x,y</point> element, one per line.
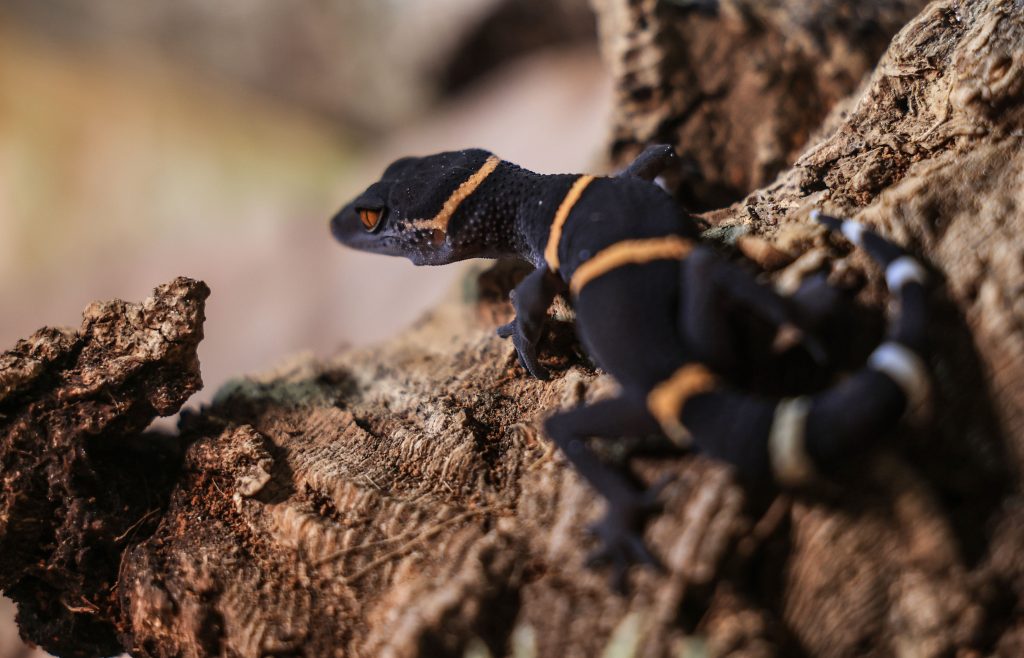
<point>370,218</point>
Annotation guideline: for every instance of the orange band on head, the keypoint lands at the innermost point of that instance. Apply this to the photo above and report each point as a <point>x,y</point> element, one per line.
<point>439,222</point>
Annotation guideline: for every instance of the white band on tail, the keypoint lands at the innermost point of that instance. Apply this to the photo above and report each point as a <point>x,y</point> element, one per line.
<point>790,461</point>
<point>905,367</point>
<point>903,270</point>
<point>854,231</point>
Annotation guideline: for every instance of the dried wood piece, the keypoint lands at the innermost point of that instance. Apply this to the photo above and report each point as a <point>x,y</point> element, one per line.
<point>738,85</point>
<point>400,500</point>
<point>80,481</point>
<point>412,509</point>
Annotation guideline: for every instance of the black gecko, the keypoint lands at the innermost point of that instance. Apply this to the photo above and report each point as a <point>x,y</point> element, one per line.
<point>647,298</point>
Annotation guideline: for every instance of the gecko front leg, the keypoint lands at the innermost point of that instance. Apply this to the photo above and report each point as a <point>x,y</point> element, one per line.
<point>531,300</point>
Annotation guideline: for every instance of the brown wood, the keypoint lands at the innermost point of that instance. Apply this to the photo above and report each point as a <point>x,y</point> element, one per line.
<point>400,501</point>
<point>739,89</point>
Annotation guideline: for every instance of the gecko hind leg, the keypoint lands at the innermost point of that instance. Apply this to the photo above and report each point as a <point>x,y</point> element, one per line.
<point>816,302</point>
<point>650,163</point>
<point>620,529</point>
<point>705,280</point>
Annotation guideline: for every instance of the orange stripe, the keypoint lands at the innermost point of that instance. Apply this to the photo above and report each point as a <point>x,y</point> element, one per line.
<point>629,252</point>
<point>555,236</point>
<point>667,399</point>
<point>440,221</point>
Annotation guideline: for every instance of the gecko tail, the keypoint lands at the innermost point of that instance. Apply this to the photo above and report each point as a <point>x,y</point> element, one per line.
<point>905,278</point>
<point>792,437</point>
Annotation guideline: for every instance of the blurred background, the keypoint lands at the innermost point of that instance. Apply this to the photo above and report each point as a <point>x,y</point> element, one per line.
<point>142,141</point>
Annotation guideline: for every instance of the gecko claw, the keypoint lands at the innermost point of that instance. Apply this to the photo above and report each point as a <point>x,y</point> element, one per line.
<point>528,359</point>
<point>526,350</point>
<point>619,532</point>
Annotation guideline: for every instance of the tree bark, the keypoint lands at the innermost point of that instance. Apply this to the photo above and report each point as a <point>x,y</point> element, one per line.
<point>81,484</point>
<point>401,501</point>
<point>738,85</point>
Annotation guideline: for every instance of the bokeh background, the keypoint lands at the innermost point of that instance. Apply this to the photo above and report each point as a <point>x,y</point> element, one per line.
<point>141,141</point>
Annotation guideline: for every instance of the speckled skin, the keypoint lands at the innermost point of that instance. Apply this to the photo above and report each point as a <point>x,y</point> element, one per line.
<point>507,216</point>
<point>642,322</point>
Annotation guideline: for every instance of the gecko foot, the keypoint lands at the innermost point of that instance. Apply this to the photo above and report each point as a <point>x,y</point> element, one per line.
<point>620,532</point>
<point>789,335</point>
<point>526,349</point>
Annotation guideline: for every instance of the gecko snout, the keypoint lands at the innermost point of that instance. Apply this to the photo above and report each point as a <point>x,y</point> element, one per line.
<point>342,223</point>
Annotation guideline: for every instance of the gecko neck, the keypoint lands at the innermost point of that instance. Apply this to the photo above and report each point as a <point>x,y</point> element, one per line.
<point>536,213</point>
<point>512,216</point>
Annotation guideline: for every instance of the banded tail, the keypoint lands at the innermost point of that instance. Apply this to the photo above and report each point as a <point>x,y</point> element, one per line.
<point>793,436</point>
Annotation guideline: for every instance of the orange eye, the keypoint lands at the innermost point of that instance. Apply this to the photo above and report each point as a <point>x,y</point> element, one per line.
<point>369,218</point>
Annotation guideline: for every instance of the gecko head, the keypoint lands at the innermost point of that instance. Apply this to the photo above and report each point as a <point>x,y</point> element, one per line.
<point>406,212</point>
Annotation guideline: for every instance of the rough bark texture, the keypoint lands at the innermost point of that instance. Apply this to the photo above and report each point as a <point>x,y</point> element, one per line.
<point>79,482</point>
<point>400,501</point>
<point>739,85</point>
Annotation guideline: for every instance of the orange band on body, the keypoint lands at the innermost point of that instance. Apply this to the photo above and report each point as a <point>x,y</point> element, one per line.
<point>667,399</point>
<point>629,252</point>
<point>564,208</point>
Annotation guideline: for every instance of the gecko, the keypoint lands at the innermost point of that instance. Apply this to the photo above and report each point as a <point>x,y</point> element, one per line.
<point>647,295</point>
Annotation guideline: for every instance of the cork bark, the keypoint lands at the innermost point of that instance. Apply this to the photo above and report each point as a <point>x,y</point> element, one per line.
<point>80,482</point>
<point>738,85</point>
<point>401,500</point>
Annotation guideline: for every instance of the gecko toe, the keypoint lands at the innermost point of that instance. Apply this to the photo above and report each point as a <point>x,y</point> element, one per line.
<point>620,534</point>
